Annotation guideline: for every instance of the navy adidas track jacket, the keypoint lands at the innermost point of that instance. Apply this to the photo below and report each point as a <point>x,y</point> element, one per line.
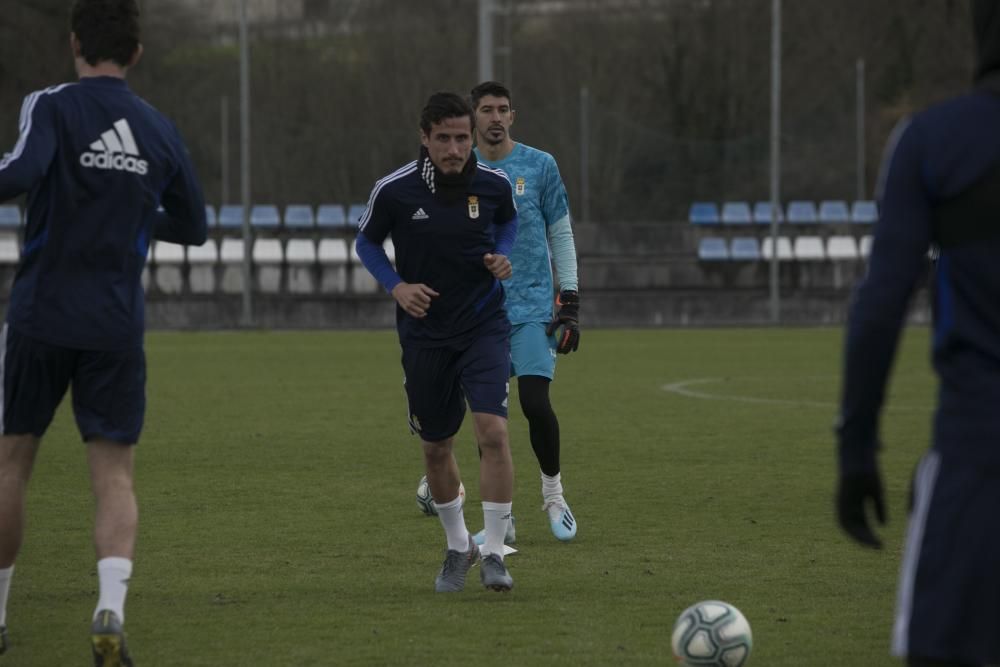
<point>97,163</point>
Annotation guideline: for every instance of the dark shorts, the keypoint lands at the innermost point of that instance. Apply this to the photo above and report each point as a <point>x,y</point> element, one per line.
<point>109,388</point>
<point>439,380</point>
<point>948,606</point>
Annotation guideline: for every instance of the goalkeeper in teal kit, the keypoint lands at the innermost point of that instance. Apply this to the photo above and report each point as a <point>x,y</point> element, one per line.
<point>539,331</point>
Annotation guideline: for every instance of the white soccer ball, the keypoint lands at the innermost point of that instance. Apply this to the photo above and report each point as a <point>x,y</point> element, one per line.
<point>712,634</point>
<point>425,501</point>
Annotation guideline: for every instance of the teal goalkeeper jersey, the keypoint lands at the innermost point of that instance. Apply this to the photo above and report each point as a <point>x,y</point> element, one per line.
<point>541,201</point>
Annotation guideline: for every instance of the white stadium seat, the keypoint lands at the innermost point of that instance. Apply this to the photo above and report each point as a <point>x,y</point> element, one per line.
<point>865,246</point>
<point>300,255</point>
<point>231,256</point>
<point>332,256</point>
<point>201,267</point>
<point>784,248</point>
<point>169,261</point>
<point>267,259</point>
<point>841,247</point>
<point>808,248</point>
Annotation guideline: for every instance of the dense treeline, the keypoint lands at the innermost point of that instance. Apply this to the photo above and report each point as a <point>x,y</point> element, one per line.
<point>679,91</point>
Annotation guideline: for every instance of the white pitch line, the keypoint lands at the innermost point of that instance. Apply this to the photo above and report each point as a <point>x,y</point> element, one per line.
<point>682,389</point>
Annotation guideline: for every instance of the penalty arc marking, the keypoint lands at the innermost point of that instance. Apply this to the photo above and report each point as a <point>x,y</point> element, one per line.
<point>687,388</point>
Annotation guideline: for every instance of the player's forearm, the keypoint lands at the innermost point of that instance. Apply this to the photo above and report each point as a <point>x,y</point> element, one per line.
<point>563,248</point>
<point>374,259</point>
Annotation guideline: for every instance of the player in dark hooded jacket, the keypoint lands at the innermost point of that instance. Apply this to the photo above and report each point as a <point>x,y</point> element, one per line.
<point>940,190</point>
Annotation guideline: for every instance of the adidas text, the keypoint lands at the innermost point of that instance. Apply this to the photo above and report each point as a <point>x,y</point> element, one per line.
<point>118,162</point>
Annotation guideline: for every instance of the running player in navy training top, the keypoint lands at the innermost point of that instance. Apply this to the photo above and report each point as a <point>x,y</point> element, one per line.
<point>544,239</point>
<point>453,223</point>
<point>97,163</point>
<point>940,188</point>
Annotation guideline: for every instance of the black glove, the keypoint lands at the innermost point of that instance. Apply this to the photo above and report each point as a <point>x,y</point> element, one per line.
<point>567,317</point>
<point>854,492</point>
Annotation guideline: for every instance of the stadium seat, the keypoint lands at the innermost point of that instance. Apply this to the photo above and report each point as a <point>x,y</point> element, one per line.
<point>784,248</point>
<point>231,257</point>
<point>834,211</point>
<point>210,216</point>
<point>736,213</point>
<point>864,212</point>
<point>762,213</point>
<point>703,213</point>
<point>231,216</point>
<point>712,249</point>
<point>300,256</point>
<point>808,248</point>
<point>265,216</point>
<point>169,264</point>
<point>354,214</point>
<point>841,247</point>
<point>800,213</point>
<point>299,216</point>
<point>10,216</point>
<point>201,267</point>
<point>865,246</point>
<point>10,249</point>
<point>332,257</point>
<point>267,259</point>
<point>330,215</point>
<point>744,248</point>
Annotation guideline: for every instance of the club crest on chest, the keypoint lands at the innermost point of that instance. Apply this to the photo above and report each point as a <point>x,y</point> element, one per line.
<point>473,207</point>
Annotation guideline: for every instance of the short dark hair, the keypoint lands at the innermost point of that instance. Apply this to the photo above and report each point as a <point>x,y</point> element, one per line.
<point>445,105</point>
<point>106,30</point>
<point>492,88</point>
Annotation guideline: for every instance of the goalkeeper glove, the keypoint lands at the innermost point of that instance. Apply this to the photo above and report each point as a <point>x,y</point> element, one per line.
<point>854,493</point>
<point>567,317</point>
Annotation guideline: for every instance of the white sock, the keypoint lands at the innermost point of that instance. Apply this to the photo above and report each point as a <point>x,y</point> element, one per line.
<point>552,487</point>
<point>5,576</point>
<point>113,574</point>
<point>453,519</point>
<point>496,516</point>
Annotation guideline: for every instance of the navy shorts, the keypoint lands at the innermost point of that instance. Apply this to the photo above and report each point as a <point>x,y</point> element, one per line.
<point>109,388</point>
<point>948,605</point>
<point>439,380</point>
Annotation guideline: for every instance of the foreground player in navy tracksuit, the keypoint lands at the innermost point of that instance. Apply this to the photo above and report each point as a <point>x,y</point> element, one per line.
<point>941,188</point>
<point>96,162</point>
<point>453,223</point>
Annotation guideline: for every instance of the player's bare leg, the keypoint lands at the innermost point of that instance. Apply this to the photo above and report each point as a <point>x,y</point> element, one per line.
<point>444,480</point>
<point>17,458</point>
<point>496,486</point>
<point>115,523</point>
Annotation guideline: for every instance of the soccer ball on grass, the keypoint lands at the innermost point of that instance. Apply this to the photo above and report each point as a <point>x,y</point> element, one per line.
<point>711,634</point>
<point>426,502</point>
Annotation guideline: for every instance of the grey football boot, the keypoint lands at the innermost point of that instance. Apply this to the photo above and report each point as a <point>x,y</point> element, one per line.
<point>494,574</point>
<point>107,641</point>
<point>451,578</point>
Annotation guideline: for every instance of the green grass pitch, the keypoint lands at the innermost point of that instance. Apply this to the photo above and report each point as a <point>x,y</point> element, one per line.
<point>276,480</point>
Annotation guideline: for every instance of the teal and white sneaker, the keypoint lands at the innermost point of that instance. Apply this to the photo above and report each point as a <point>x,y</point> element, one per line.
<point>3,639</point>
<point>494,574</point>
<point>508,538</point>
<point>451,578</point>
<point>107,641</point>
<point>561,519</point>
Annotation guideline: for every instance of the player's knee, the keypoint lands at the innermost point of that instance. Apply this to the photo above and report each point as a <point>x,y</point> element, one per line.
<point>493,438</point>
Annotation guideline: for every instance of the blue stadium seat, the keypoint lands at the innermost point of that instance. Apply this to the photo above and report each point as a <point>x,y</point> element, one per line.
<point>801,212</point>
<point>299,216</point>
<point>210,216</point>
<point>330,215</point>
<point>712,249</point>
<point>864,211</point>
<point>231,216</point>
<point>762,213</point>
<point>744,248</point>
<point>265,216</point>
<point>10,216</point>
<point>834,211</point>
<point>354,214</point>
<point>736,213</point>
<point>703,213</point>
